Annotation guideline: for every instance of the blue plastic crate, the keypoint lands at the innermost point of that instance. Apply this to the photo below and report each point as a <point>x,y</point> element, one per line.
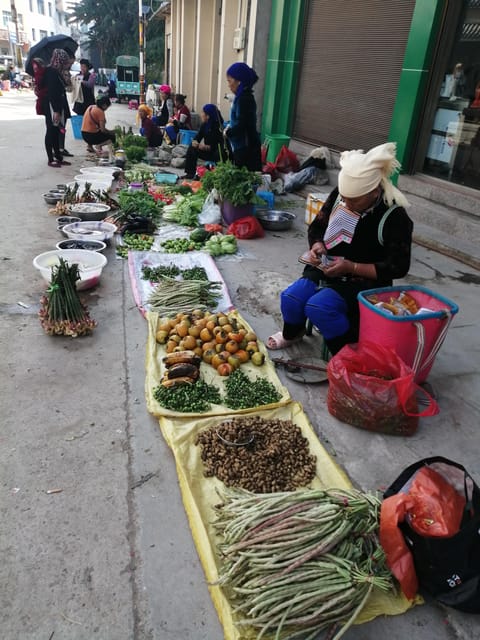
<point>186,136</point>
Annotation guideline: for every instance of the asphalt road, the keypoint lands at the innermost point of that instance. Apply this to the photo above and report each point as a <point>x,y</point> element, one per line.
<point>110,555</point>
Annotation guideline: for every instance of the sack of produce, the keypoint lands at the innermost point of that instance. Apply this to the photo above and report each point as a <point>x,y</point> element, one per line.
<point>164,155</point>
<point>373,389</point>
<point>180,151</point>
<point>430,532</point>
<point>246,228</point>
<point>178,163</point>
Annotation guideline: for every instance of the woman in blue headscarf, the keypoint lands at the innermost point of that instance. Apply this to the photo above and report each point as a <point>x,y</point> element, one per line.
<point>242,133</point>
<point>208,144</point>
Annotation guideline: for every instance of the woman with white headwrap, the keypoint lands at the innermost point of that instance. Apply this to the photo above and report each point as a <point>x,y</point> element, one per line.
<point>361,239</point>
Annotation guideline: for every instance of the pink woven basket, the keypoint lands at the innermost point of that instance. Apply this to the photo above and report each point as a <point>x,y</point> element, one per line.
<point>415,338</point>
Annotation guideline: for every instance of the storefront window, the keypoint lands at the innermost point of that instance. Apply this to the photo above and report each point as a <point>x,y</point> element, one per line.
<point>454,148</point>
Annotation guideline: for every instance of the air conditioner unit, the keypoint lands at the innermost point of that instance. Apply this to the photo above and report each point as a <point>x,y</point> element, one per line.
<point>239,38</point>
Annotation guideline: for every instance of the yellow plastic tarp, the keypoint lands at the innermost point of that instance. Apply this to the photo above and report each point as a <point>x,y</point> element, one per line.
<point>199,494</point>
<point>155,369</point>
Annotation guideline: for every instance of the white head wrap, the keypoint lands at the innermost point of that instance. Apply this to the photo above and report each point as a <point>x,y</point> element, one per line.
<point>362,172</point>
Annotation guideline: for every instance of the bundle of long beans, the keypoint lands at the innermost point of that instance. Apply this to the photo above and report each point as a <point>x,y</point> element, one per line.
<point>296,563</point>
<point>61,311</point>
<point>172,296</point>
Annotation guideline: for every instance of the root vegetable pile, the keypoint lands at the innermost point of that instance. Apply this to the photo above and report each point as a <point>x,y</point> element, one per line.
<point>62,312</point>
<point>297,563</point>
<point>275,456</point>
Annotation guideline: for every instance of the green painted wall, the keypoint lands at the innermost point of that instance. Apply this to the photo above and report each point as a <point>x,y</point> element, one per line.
<point>415,74</point>
<point>283,62</point>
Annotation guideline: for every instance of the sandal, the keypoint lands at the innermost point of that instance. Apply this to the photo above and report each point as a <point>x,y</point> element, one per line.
<point>54,163</point>
<point>90,150</point>
<point>66,154</point>
<point>64,162</point>
<point>277,341</point>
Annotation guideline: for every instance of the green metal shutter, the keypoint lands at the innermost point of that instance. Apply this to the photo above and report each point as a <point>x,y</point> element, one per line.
<point>349,75</point>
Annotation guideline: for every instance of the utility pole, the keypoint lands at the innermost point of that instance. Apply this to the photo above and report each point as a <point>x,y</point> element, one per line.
<point>18,57</point>
<point>141,42</point>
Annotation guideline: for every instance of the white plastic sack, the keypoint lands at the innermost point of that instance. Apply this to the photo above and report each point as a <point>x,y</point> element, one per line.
<point>210,213</point>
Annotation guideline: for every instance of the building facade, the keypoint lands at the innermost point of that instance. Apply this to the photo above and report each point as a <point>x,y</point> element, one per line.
<point>26,22</point>
<point>344,75</point>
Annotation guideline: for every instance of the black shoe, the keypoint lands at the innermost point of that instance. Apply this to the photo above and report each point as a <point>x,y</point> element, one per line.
<point>67,154</point>
<point>187,177</point>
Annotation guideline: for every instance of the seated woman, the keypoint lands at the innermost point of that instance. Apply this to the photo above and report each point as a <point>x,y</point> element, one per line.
<point>209,143</point>
<point>361,239</point>
<point>165,111</point>
<point>94,129</point>
<point>182,119</point>
<point>148,129</point>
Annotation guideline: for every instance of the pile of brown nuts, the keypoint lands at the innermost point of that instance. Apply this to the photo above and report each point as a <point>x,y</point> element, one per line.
<point>256,454</point>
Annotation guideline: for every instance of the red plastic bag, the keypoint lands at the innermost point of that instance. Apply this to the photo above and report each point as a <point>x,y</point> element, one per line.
<point>373,389</point>
<point>263,153</point>
<point>246,228</point>
<point>270,168</point>
<point>432,508</point>
<point>287,161</point>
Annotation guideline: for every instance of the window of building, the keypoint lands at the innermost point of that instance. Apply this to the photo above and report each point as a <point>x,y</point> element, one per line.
<point>34,35</point>
<point>30,5</point>
<point>20,21</point>
<point>6,18</point>
<point>43,34</point>
<point>453,152</point>
<point>41,6</point>
<point>60,17</point>
<point>50,9</point>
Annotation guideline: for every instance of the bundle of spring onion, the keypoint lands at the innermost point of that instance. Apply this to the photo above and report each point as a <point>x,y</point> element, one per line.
<point>62,312</point>
<point>172,296</point>
<point>300,562</point>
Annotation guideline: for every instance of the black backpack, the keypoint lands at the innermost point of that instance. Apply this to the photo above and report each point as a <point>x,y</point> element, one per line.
<point>447,568</point>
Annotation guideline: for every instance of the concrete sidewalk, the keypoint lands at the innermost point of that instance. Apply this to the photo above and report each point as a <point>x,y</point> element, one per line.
<point>111,556</point>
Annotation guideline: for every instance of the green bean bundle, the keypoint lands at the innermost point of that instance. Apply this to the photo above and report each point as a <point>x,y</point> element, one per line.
<point>296,563</point>
<point>173,296</point>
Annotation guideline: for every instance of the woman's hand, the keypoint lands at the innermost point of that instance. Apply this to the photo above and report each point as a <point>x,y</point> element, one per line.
<point>317,249</point>
<point>195,144</point>
<point>203,147</point>
<point>340,268</point>
<point>55,117</point>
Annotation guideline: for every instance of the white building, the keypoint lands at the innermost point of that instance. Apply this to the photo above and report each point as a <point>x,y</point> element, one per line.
<point>35,20</point>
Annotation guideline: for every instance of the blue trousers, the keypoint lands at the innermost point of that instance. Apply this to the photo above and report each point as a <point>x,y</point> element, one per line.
<point>325,308</point>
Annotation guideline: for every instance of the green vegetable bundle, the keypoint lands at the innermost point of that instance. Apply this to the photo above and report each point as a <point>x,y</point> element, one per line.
<point>62,312</point>
<point>186,209</point>
<point>238,185</point>
<point>173,296</point>
<point>296,563</point>
<point>140,203</point>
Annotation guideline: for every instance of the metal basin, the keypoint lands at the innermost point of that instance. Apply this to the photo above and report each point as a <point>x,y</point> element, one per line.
<point>275,220</point>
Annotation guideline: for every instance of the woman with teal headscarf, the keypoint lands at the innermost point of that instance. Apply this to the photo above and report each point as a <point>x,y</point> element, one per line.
<point>242,134</point>
<point>208,144</point>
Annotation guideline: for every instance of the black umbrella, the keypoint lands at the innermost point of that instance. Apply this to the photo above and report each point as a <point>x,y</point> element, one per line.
<point>45,48</point>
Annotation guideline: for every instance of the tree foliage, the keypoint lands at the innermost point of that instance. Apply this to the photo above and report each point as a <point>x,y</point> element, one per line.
<point>113,31</point>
